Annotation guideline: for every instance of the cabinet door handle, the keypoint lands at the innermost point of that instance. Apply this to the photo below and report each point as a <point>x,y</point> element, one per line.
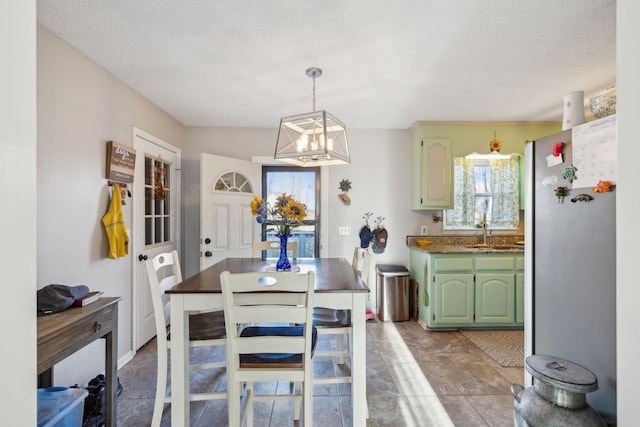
<point>97,326</point>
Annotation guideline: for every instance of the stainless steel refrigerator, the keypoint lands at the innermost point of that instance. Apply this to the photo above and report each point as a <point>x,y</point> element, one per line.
<point>573,254</point>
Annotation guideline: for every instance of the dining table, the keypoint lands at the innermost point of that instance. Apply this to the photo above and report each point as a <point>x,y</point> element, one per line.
<point>337,285</point>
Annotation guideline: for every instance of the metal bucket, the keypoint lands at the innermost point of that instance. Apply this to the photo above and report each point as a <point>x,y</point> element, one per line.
<point>558,395</point>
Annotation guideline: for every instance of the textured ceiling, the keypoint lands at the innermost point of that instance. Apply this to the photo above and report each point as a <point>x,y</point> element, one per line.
<point>387,64</point>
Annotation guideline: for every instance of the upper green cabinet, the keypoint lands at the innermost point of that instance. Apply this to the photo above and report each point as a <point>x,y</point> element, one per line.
<point>431,173</point>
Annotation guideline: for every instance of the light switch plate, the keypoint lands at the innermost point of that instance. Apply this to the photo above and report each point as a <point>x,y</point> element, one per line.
<point>423,230</point>
<point>344,231</point>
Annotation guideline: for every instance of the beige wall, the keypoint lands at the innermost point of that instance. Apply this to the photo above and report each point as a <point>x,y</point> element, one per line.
<point>80,107</point>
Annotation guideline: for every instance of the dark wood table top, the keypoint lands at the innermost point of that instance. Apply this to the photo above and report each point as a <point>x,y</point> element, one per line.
<point>332,274</point>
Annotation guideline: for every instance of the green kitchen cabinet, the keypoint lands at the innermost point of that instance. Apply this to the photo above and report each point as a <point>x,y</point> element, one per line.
<point>520,290</point>
<point>461,290</point>
<point>453,299</point>
<point>495,299</point>
<point>431,173</point>
<point>418,269</point>
<point>451,287</point>
<point>520,298</point>
<point>495,290</point>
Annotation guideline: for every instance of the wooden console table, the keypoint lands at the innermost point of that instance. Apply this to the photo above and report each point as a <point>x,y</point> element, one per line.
<point>64,333</point>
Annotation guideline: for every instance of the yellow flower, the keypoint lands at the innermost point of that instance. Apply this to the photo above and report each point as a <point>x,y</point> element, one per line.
<point>495,145</point>
<point>255,204</point>
<point>285,214</point>
<point>294,210</point>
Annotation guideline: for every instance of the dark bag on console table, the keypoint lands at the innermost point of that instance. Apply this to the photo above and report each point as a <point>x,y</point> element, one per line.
<point>55,298</point>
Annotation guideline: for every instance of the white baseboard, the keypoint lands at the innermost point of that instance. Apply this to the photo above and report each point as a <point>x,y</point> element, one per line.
<point>125,359</point>
<point>421,323</point>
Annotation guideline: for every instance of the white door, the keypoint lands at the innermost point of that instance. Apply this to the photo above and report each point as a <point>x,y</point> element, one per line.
<point>156,201</point>
<point>227,228</point>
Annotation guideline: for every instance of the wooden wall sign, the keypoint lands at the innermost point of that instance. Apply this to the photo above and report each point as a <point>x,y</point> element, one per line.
<point>121,162</point>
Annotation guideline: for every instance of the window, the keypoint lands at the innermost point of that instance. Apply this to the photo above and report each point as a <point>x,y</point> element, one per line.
<point>158,216</point>
<point>304,185</point>
<point>485,190</point>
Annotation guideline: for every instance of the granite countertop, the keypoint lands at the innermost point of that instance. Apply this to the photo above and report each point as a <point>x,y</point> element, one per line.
<point>468,244</point>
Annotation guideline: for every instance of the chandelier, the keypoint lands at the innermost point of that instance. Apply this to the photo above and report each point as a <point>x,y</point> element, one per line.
<point>312,139</point>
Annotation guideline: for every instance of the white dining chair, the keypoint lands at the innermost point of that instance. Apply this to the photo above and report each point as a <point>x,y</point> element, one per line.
<point>274,245</point>
<point>330,321</point>
<point>205,329</point>
<point>273,350</point>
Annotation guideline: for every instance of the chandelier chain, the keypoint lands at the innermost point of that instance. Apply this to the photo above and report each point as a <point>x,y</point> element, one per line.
<point>314,92</point>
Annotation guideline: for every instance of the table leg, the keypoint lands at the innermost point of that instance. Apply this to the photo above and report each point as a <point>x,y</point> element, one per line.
<point>111,371</point>
<point>359,368</point>
<point>45,379</point>
<point>179,362</point>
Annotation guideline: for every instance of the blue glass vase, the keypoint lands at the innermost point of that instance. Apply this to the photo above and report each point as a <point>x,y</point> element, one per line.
<point>283,263</point>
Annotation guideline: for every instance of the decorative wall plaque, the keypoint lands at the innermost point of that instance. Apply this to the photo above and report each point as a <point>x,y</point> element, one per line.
<point>121,162</point>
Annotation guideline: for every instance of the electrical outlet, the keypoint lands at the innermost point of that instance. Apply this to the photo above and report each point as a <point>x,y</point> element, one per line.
<point>423,230</point>
<point>344,231</point>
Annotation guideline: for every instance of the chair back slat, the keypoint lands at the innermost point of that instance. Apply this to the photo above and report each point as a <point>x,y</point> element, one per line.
<point>361,263</point>
<point>271,345</point>
<point>270,314</point>
<point>271,298</point>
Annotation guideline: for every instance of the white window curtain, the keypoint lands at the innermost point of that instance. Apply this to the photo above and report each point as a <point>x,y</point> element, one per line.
<point>505,209</point>
<point>464,193</point>
<point>505,204</point>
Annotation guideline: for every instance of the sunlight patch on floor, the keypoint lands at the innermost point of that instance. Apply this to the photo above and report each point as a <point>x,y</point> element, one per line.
<point>410,380</point>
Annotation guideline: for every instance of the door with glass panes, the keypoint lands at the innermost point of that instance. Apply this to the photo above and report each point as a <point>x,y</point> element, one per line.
<point>156,218</point>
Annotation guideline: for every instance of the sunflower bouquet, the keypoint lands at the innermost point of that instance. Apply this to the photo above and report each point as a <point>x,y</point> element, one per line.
<point>285,214</point>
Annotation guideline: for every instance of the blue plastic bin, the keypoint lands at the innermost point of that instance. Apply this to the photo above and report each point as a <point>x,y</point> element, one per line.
<point>61,406</point>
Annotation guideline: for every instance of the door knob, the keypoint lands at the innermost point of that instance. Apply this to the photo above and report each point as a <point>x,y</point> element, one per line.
<point>208,254</point>
<point>207,240</point>
<point>142,257</point>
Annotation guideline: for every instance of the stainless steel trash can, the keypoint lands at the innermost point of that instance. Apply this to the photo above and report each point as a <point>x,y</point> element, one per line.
<point>392,292</point>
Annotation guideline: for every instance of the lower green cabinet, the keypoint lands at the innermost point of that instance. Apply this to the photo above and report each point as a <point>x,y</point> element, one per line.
<point>495,298</point>
<point>453,299</point>
<point>520,298</point>
<point>469,290</point>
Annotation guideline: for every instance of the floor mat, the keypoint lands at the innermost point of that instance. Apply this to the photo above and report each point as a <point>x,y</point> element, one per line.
<point>506,347</point>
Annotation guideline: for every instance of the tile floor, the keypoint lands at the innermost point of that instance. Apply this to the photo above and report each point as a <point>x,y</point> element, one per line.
<point>414,378</point>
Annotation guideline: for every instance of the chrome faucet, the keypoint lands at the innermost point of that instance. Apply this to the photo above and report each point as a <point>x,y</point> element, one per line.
<point>484,233</point>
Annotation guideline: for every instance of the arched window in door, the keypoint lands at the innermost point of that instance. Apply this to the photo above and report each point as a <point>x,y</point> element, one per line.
<point>233,182</point>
